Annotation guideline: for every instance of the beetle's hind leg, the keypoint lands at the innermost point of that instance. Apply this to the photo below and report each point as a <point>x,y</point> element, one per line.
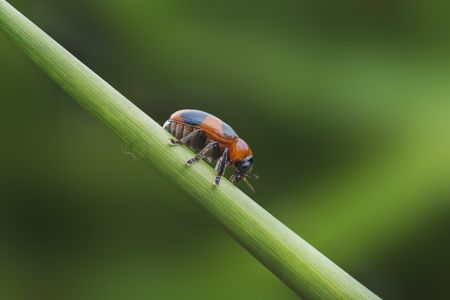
<point>221,165</point>
<point>202,153</point>
<point>187,138</point>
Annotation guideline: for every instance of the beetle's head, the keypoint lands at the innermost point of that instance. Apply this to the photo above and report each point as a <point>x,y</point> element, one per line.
<point>242,170</point>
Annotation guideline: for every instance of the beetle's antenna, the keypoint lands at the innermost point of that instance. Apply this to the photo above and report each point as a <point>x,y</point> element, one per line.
<point>254,176</point>
<point>249,185</point>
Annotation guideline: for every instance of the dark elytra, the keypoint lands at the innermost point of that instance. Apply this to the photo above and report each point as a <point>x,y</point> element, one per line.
<point>197,117</point>
<point>194,117</point>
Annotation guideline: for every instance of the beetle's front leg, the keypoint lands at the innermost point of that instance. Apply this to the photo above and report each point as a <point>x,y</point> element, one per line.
<point>222,165</point>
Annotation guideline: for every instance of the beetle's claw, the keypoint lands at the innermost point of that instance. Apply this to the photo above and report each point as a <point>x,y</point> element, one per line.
<point>233,179</point>
<point>173,142</point>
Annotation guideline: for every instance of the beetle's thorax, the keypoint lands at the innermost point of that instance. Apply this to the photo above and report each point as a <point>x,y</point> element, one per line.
<point>239,150</point>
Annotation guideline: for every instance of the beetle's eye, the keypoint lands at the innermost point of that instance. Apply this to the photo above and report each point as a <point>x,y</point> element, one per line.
<point>245,165</point>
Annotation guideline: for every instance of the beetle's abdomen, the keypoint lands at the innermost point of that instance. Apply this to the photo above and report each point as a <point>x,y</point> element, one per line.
<point>180,130</point>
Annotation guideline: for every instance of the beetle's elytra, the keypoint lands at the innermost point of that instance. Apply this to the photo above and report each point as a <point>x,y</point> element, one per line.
<point>211,139</point>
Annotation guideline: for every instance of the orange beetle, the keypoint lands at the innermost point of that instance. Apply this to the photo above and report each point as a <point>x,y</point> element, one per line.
<point>212,139</point>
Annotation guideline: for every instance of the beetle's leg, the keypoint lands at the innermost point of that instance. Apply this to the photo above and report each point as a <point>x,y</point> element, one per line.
<point>214,155</point>
<point>222,165</point>
<point>186,138</point>
<point>202,153</point>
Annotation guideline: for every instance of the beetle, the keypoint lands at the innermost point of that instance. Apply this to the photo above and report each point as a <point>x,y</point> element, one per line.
<point>212,139</point>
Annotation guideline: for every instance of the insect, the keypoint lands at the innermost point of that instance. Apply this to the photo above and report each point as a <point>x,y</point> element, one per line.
<point>212,139</point>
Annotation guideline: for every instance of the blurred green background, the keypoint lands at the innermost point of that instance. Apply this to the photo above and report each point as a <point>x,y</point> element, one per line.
<point>345,103</point>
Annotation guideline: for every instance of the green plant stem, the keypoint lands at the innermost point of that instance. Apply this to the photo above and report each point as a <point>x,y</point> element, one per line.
<point>309,273</point>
